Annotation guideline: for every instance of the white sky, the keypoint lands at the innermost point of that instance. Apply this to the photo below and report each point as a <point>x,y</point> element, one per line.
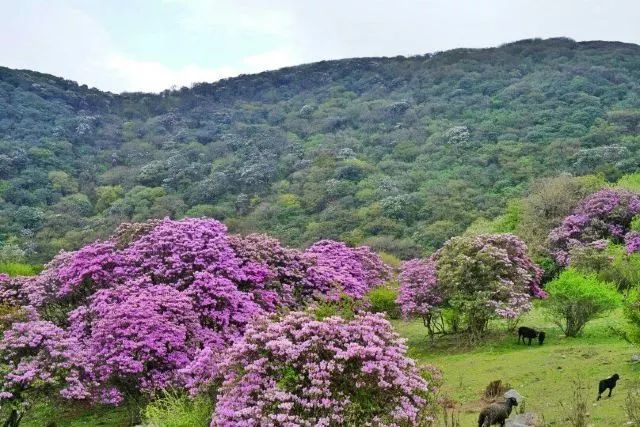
<point>150,45</point>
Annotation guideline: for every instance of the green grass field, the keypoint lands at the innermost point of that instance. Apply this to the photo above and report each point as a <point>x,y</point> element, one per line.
<point>544,375</point>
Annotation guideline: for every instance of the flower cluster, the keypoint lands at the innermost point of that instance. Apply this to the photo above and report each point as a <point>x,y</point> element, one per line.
<point>419,293</point>
<point>338,270</point>
<point>31,352</point>
<point>148,308</point>
<point>604,215</point>
<point>632,242</point>
<point>307,372</point>
<point>286,266</point>
<point>143,334</point>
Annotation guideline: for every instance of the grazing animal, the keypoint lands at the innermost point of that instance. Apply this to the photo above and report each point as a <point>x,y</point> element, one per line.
<point>525,332</point>
<point>496,413</point>
<point>609,383</point>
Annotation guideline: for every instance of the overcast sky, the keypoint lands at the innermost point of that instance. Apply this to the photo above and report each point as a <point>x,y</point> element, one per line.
<point>151,45</point>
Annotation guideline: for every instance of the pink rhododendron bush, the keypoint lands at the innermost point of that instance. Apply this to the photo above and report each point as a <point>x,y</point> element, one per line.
<point>475,278</point>
<point>300,371</point>
<point>149,308</point>
<point>603,217</point>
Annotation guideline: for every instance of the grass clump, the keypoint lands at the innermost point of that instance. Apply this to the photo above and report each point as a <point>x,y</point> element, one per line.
<point>175,409</point>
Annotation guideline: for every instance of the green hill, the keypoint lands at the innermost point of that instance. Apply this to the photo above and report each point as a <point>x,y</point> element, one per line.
<point>398,153</point>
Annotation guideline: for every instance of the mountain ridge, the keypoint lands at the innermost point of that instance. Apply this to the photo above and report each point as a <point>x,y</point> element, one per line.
<point>399,153</point>
<point>523,42</point>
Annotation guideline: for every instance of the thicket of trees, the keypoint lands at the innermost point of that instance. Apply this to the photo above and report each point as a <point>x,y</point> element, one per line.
<point>397,153</point>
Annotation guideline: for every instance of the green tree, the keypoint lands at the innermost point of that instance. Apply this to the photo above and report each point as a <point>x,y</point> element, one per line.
<point>63,182</point>
<point>106,195</point>
<point>576,298</point>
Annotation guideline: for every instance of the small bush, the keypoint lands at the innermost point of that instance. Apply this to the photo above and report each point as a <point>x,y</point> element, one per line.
<point>576,298</point>
<point>390,259</point>
<point>632,314</point>
<point>383,300</point>
<point>495,388</point>
<point>345,308</point>
<point>174,409</point>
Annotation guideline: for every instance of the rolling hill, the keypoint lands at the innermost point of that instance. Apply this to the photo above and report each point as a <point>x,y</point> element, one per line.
<point>398,153</point>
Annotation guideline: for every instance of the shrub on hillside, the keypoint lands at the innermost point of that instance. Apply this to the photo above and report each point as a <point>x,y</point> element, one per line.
<point>419,292</point>
<point>604,216</point>
<point>549,201</point>
<point>302,371</point>
<point>477,277</point>
<point>576,298</point>
<point>382,299</point>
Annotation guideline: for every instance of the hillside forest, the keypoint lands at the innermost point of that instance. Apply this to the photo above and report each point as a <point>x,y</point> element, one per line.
<point>396,153</point>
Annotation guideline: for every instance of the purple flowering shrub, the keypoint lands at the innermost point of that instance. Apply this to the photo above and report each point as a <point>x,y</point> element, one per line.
<point>419,293</point>
<point>142,335</point>
<point>153,306</point>
<point>604,216</point>
<point>338,270</point>
<point>287,266</point>
<point>308,372</point>
<point>477,278</point>
<point>34,355</point>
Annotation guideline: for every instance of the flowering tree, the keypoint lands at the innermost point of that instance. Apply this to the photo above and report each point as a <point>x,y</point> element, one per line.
<point>419,292</point>
<point>148,308</point>
<point>603,216</point>
<point>307,372</point>
<point>487,276</point>
<point>478,277</point>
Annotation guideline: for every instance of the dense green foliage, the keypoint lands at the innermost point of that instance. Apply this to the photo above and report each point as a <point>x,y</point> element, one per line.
<point>383,300</point>
<point>613,265</point>
<point>398,153</point>
<point>576,298</point>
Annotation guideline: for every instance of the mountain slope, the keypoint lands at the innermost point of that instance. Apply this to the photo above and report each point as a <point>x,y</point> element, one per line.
<point>400,153</point>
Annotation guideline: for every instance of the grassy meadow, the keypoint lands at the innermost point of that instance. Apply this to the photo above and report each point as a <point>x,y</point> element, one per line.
<point>544,375</point>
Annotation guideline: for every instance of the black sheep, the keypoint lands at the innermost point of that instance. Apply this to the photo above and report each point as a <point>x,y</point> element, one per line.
<point>525,332</point>
<point>609,383</point>
<point>496,413</point>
